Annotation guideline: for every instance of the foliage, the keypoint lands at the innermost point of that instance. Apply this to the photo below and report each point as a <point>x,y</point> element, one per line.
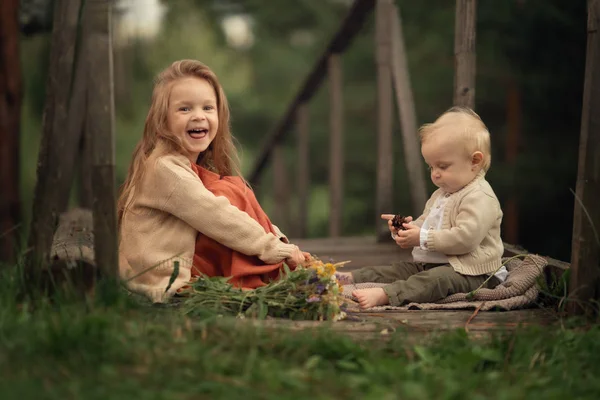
<point>114,346</point>
<point>306,293</point>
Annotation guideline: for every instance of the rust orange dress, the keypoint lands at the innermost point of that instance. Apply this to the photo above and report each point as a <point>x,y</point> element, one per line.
<point>214,259</point>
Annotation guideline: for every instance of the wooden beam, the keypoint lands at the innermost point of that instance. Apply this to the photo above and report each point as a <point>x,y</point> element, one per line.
<point>585,252</point>
<point>351,25</point>
<point>408,119</point>
<point>464,53</point>
<point>57,151</point>
<point>281,189</point>
<point>10,118</point>
<point>336,146</point>
<point>101,126</point>
<point>302,117</point>
<point>385,155</point>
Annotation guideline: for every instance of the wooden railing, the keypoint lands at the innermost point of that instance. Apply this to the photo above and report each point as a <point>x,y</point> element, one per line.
<point>392,75</point>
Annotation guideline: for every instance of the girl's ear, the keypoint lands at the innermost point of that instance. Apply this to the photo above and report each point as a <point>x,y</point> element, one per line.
<point>477,159</point>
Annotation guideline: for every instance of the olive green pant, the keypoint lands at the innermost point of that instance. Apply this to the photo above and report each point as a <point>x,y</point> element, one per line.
<point>412,282</point>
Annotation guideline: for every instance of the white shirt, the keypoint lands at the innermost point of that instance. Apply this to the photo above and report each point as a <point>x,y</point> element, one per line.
<point>434,222</point>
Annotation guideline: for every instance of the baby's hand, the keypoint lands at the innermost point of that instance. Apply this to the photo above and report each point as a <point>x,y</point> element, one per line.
<point>389,218</point>
<point>410,237</point>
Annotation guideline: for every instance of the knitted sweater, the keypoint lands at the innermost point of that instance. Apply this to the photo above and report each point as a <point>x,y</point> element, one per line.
<point>163,217</point>
<point>470,234</point>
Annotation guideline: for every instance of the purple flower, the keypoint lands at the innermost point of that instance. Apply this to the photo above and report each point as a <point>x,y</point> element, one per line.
<point>313,299</point>
<point>313,279</point>
<point>320,288</point>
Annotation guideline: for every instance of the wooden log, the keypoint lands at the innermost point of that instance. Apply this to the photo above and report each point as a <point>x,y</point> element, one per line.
<point>336,146</point>
<point>385,156</point>
<point>100,123</point>
<point>56,157</point>
<point>303,169</point>
<point>408,119</point>
<point>585,253</point>
<point>10,116</point>
<point>72,259</point>
<point>464,53</point>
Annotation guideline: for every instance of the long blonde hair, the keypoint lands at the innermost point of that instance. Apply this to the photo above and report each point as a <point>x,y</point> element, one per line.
<point>221,156</point>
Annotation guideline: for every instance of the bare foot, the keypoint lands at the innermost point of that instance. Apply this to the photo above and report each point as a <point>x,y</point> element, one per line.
<point>371,297</point>
<point>344,278</point>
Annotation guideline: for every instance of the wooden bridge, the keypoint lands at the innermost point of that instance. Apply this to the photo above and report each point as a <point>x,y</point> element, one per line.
<point>392,79</point>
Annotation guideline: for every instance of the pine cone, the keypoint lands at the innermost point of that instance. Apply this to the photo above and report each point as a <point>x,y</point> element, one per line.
<point>397,222</point>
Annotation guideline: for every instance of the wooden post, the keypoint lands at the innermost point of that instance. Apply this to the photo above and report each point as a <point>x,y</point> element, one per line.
<point>281,189</point>
<point>408,118</point>
<point>464,53</point>
<point>513,119</point>
<point>100,123</point>
<point>56,157</point>
<point>10,115</point>
<point>383,45</point>
<point>302,122</point>
<point>336,146</point>
<point>77,112</point>
<point>585,253</point>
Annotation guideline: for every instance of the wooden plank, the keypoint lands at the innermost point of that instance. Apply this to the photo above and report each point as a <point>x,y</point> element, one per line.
<point>385,160</point>
<point>416,324</point>
<point>100,125</point>
<point>56,157</point>
<point>585,253</point>
<point>303,169</point>
<point>336,145</point>
<point>281,191</point>
<point>361,251</point>
<point>408,119</point>
<point>351,25</point>
<point>11,93</point>
<point>464,53</point>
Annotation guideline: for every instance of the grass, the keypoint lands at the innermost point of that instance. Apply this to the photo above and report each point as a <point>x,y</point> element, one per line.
<point>114,346</point>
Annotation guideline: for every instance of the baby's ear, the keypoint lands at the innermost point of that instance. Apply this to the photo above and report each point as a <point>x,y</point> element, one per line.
<point>477,159</point>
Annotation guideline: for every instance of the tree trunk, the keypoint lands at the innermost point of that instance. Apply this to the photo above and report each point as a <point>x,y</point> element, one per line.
<point>10,114</point>
<point>585,253</point>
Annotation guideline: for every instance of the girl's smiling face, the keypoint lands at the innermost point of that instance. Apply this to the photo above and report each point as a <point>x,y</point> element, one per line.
<point>452,168</point>
<point>193,115</point>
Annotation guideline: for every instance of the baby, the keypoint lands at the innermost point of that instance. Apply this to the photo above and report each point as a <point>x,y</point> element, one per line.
<point>456,241</point>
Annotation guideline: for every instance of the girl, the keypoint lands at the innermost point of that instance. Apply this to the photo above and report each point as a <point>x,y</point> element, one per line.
<point>180,202</point>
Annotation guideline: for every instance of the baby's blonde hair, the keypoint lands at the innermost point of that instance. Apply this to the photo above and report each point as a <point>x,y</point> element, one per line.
<point>221,156</point>
<point>464,125</point>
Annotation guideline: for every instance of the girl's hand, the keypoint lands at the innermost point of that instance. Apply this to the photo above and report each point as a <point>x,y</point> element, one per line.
<point>297,258</point>
<point>411,237</point>
<point>389,218</point>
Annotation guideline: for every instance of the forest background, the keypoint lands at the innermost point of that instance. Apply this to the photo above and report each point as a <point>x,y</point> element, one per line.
<point>530,63</point>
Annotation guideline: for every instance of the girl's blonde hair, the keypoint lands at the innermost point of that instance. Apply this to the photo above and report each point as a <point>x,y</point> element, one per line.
<point>220,157</point>
<point>462,124</point>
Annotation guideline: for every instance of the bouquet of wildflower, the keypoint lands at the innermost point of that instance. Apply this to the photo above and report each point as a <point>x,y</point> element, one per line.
<point>311,292</point>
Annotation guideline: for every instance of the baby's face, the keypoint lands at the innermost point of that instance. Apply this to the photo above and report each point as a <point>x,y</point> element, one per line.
<point>451,167</point>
